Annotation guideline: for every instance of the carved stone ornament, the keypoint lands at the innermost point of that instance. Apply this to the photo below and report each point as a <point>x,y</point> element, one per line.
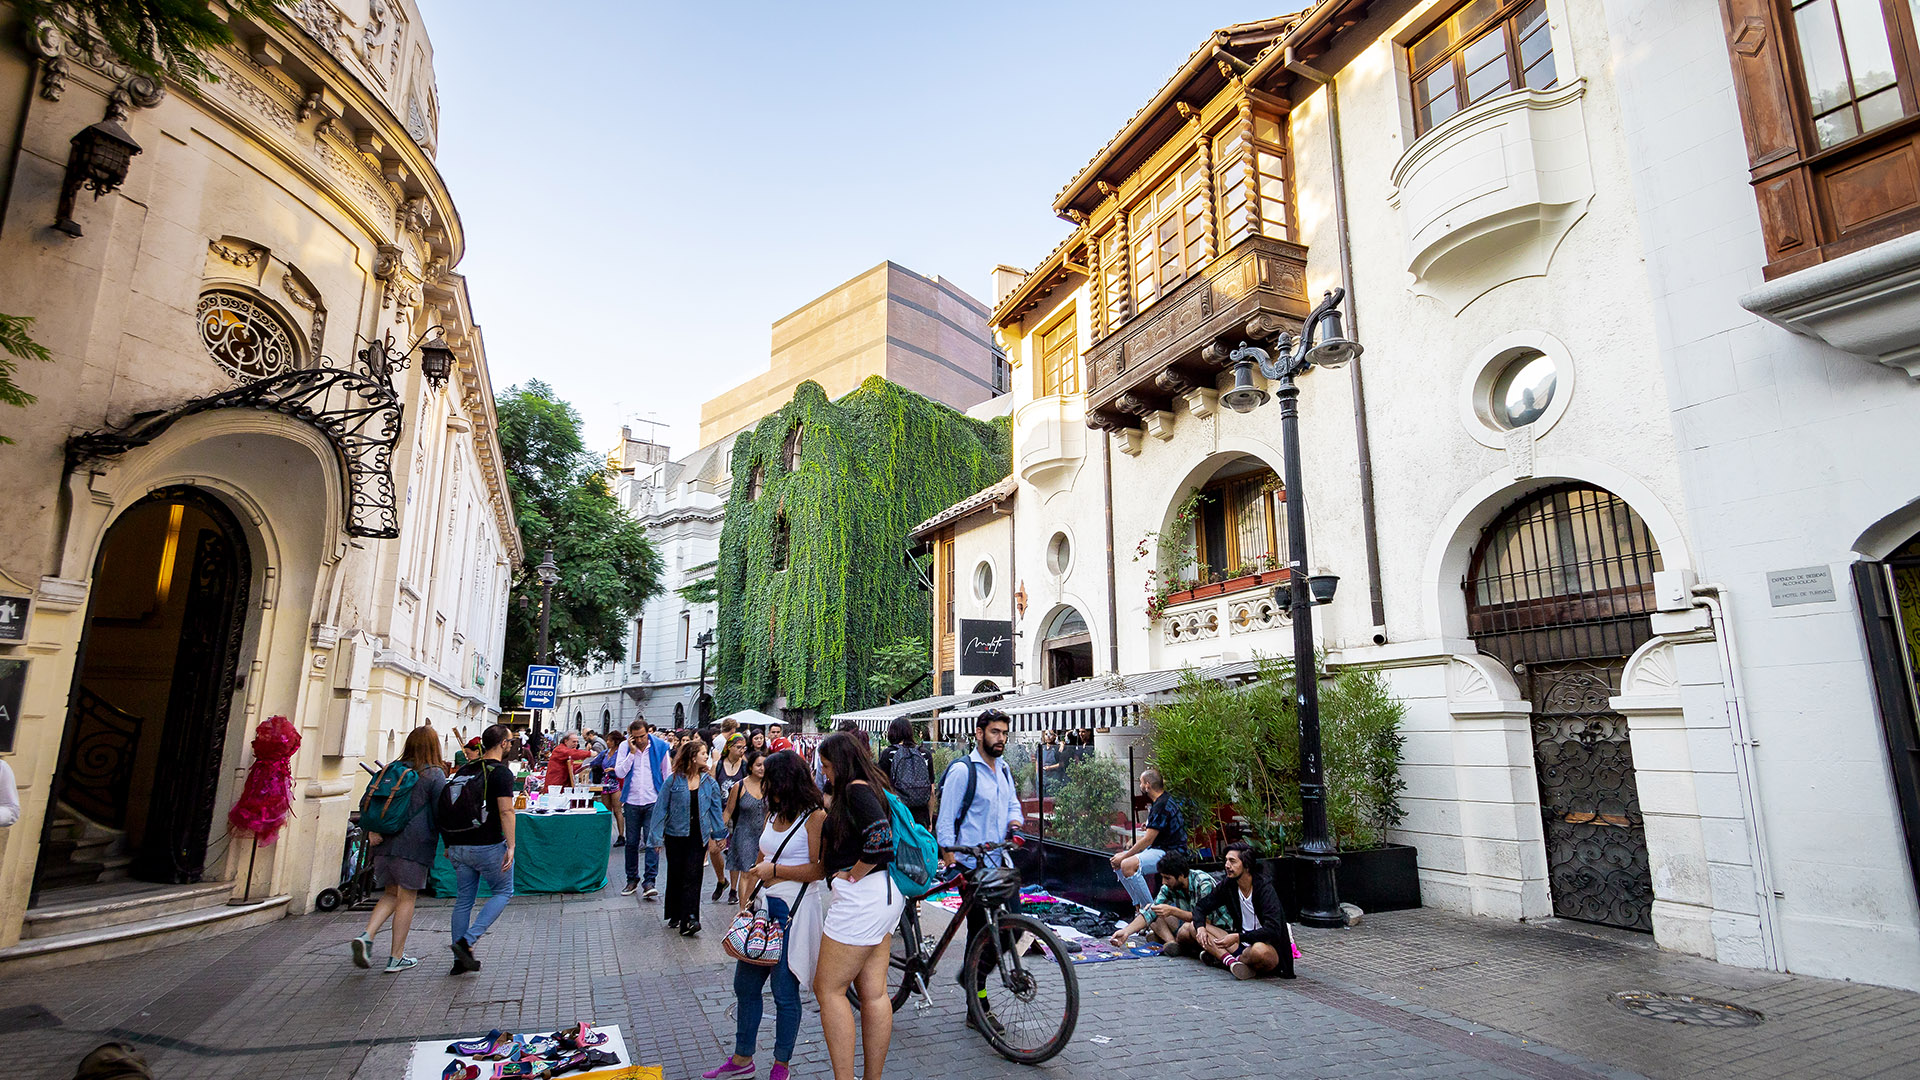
<point>324,24</point>
<point>1173,381</point>
<point>245,260</point>
<point>1104,188</point>
<point>309,106</point>
<point>417,215</point>
<point>386,260</point>
<point>297,294</point>
<point>332,127</point>
<point>1217,354</point>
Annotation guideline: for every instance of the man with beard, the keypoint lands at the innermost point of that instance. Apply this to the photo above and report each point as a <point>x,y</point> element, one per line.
<point>980,804</point>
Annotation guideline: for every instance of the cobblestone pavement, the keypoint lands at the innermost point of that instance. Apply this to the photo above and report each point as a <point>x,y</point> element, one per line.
<point>1414,994</point>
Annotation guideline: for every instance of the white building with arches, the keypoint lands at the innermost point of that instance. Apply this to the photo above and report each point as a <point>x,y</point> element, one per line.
<point>1614,597</point>
<point>245,490</point>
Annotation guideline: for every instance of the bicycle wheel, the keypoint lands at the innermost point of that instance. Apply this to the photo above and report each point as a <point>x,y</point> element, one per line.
<point>907,962</point>
<point>1031,1001</point>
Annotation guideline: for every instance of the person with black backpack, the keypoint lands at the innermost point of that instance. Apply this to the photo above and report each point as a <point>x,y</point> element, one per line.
<point>475,815</point>
<point>397,813</point>
<point>909,769</point>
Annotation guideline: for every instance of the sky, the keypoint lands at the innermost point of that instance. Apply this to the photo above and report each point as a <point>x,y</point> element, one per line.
<point>645,186</point>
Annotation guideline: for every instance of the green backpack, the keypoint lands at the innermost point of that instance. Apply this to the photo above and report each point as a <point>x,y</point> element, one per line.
<point>388,804</point>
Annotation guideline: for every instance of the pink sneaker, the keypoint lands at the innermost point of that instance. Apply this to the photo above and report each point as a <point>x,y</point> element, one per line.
<point>728,1068</point>
<point>779,1073</point>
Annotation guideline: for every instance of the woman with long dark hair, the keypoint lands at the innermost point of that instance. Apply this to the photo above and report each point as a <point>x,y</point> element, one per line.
<point>403,862</point>
<point>788,850</point>
<point>687,820</point>
<point>746,817</point>
<point>909,769</point>
<point>858,925</point>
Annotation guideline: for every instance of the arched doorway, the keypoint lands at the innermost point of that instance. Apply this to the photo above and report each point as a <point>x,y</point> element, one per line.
<point>140,760</point>
<point>1560,590</point>
<point>1066,649</point>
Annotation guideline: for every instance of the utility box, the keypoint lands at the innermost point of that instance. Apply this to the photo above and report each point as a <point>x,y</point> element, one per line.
<point>1673,590</point>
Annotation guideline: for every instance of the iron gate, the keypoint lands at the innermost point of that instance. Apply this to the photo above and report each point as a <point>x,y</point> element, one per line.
<point>1560,590</point>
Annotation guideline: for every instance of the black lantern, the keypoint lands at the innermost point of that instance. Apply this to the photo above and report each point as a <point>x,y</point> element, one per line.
<point>98,161</point>
<point>436,360</point>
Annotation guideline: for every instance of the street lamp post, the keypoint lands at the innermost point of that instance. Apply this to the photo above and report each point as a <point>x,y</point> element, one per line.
<point>1321,905</point>
<point>549,575</point>
<point>703,643</point>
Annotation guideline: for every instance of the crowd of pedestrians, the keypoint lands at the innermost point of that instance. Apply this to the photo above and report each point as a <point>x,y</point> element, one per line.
<point>808,845</point>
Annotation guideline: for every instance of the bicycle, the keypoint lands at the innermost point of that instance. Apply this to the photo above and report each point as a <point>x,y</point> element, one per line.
<point>1028,1012</point>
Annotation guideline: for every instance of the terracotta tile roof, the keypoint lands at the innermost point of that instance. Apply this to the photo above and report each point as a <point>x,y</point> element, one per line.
<point>985,497</point>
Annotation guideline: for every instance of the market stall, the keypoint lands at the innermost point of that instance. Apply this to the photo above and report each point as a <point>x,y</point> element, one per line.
<point>559,851</point>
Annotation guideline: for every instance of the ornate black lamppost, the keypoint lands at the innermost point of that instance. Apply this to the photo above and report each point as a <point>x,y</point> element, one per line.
<point>701,709</point>
<point>1321,905</point>
<point>549,575</point>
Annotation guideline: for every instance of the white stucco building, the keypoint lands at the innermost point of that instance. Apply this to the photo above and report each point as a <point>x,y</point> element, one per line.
<point>680,504</point>
<point>1593,519</point>
<point>231,501</point>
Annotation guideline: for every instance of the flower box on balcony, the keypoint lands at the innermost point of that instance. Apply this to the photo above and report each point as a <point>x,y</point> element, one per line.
<point>1224,588</point>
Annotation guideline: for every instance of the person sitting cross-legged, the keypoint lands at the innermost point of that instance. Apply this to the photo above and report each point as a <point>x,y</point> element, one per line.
<point>1170,917</point>
<point>1260,941</point>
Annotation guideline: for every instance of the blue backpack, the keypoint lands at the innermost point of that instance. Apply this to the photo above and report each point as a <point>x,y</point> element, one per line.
<point>388,804</point>
<point>916,854</point>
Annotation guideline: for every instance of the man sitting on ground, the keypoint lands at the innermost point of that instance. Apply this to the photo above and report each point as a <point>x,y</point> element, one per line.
<point>1260,942</point>
<point>1182,888</point>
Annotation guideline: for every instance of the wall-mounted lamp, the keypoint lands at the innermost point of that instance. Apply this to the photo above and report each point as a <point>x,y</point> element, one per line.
<point>436,360</point>
<point>98,161</point>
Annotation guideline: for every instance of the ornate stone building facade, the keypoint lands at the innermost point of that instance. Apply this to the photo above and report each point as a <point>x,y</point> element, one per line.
<point>261,477</point>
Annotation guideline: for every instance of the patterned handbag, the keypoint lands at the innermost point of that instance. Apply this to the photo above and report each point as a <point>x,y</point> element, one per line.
<point>756,937</point>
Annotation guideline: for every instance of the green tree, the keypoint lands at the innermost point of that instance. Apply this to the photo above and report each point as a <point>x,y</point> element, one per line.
<point>1086,802</point>
<point>899,666</point>
<point>19,346</point>
<point>608,567</point>
<point>153,37</point>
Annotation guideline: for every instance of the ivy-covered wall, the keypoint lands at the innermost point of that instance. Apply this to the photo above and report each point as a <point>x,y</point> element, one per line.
<point>871,466</point>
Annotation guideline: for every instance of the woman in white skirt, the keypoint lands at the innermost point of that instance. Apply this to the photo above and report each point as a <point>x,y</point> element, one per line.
<point>858,925</point>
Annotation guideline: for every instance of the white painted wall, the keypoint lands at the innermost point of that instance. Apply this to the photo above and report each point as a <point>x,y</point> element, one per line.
<point>1790,452</point>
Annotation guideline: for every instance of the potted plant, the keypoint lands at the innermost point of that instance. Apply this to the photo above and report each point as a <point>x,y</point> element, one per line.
<point>1174,554</point>
<point>1361,744</point>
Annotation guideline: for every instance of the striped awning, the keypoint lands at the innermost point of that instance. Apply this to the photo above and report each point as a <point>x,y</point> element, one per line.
<point>1103,701</point>
<point>875,720</point>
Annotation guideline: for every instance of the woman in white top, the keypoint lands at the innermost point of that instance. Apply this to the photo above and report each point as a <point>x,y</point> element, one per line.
<point>789,864</point>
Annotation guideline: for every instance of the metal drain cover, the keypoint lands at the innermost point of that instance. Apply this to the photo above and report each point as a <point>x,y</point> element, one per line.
<point>1685,1009</point>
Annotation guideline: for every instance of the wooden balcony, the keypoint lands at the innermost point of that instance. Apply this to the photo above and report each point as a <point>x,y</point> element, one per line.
<point>1151,360</point>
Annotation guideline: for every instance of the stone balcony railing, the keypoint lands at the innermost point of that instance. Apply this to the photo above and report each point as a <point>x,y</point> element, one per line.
<point>1243,612</point>
<point>1137,373</point>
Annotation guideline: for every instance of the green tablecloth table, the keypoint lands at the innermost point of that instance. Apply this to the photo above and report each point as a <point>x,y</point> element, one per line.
<point>552,853</point>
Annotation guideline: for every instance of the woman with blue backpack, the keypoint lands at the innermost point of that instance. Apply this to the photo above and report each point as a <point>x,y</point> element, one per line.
<point>858,850</point>
<point>397,813</point>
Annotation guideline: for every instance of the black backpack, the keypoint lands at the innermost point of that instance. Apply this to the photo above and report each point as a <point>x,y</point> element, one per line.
<point>463,805</point>
<point>911,774</point>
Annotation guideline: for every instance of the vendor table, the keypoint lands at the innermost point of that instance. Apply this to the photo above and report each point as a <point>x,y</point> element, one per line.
<point>552,853</point>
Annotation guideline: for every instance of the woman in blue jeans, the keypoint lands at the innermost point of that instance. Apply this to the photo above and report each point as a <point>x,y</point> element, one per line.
<point>788,864</point>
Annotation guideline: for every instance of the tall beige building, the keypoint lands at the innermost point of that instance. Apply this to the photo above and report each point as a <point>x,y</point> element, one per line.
<point>923,333</point>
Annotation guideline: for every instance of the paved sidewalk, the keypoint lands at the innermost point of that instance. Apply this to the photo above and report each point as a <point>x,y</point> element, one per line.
<point>1414,994</point>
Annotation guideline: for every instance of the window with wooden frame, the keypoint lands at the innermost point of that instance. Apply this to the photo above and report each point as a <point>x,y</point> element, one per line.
<point>1272,173</point>
<point>1166,229</point>
<point>1484,48</point>
<point>639,637</point>
<point>1059,346</point>
<point>946,586</point>
<point>1241,526</point>
<point>1829,94</point>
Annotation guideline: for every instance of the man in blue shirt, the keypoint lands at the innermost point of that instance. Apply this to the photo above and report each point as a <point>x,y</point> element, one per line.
<point>990,817</point>
<point>1165,832</point>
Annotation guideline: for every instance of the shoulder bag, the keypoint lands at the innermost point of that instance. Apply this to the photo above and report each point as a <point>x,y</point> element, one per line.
<point>756,937</point>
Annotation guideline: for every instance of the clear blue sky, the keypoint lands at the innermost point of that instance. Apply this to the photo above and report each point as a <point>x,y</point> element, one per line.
<point>646,186</point>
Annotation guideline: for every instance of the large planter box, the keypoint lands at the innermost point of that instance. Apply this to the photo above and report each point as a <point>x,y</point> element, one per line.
<point>1377,879</point>
<point>1080,874</point>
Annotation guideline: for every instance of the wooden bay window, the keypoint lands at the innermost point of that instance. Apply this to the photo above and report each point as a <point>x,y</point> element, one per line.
<point>1484,48</point>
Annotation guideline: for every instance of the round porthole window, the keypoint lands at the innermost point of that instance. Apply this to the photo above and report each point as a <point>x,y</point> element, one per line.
<point>983,581</point>
<point>1523,390</point>
<point>1059,554</point>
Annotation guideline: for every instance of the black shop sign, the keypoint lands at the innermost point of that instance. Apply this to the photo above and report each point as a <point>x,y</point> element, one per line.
<point>986,647</point>
<point>13,687</point>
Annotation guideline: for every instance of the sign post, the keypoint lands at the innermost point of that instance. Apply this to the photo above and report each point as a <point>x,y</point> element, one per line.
<point>543,688</point>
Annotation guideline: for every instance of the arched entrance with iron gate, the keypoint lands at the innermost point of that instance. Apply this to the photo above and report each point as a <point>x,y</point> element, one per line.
<point>1560,590</point>
<point>140,760</point>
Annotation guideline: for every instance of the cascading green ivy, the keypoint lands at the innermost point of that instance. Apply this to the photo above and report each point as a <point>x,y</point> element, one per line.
<point>872,465</point>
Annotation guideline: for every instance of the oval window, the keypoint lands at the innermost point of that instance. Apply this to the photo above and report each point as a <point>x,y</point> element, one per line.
<point>1059,554</point>
<point>983,581</point>
<point>1524,389</point>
